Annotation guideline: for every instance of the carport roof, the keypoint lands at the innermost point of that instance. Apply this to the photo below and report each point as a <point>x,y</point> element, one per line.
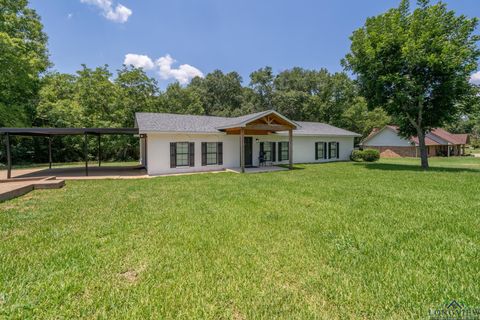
<point>66,131</point>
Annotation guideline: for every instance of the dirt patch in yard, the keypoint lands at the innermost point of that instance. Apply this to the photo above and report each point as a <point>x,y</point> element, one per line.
<point>130,276</point>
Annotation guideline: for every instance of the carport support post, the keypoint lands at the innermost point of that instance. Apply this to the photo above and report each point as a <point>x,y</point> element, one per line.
<point>99,151</point>
<point>50,152</point>
<point>86,154</point>
<point>242,150</point>
<point>290,149</point>
<point>9,156</point>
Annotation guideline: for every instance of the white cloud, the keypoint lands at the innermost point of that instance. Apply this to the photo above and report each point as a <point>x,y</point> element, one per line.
<point>475,78</point>
<point>118,14</point>
<point>183,74</point>
<point>139,61</point>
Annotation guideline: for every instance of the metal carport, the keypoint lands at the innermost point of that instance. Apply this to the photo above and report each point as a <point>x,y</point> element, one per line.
<point>50,132</point>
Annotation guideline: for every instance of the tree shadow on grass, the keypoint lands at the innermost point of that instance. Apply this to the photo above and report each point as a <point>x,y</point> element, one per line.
<point>407,167</point>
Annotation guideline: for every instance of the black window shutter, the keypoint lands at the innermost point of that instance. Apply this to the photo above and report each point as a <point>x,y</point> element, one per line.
<point>204,153</point>
<point>262,147</point>
<point>279,151</point>
<point>191,153</point>
<point>273,152</point>
<point>338,150</point>
<point>325,150</point>
<point>220,153</point>
<point>173,154</point>
<point>316,150</point>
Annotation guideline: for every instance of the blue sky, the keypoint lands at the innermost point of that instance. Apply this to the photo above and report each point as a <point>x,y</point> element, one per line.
<point>203,35</point>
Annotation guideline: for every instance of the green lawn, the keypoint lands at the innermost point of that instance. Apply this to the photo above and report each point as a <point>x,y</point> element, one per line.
<point>329,241</point>
<point>437,163</point>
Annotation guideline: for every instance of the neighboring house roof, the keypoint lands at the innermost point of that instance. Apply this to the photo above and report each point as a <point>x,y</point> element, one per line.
<point>463,138</point>
<point>428,141</point>
<point>437,136</point>
<point>377,131</point>
<point>450,137</point>
<point>178,123</point>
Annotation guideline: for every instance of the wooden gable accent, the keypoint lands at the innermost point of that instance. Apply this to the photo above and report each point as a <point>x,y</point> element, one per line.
<point>263,126</point>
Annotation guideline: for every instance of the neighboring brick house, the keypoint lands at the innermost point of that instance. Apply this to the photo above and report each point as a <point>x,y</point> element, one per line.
<point>391,145</point>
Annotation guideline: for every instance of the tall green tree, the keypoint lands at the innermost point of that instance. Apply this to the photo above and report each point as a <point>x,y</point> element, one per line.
<point>177,99</point>
<point>262,83</point>
<point>335,93</point>
<point>294,89</point>
<point>23,58</point>
<point>137,92</point>
<point>358,118</point>
<point>221,93</point>
<point>97,95</point>
<point>468,118</point>
<point>57,106</point>
<point>416,65</point>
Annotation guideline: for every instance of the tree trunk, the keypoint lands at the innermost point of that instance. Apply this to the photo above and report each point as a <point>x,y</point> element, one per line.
<point>423,149</point>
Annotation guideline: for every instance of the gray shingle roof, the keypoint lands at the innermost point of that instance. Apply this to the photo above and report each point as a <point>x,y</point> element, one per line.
<point>167,122</point>
<point>323,129</point>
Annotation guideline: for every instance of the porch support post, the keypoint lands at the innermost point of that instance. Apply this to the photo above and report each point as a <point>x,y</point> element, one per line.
<point>9,156</point>
<point>290,149</point>
<point>242,150</point>
<point>86,153</point>
<point>99,151</point>
<point>50,152</point>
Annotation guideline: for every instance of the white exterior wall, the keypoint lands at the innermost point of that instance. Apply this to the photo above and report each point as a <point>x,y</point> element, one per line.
<point>304,147</point>
<point>158,150</point>
<point>387,138</point>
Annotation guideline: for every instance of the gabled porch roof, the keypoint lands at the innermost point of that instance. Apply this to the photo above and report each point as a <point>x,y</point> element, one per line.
<point>262,122</point>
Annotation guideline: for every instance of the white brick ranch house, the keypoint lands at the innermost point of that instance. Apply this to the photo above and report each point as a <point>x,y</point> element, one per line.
<point>174,143</point>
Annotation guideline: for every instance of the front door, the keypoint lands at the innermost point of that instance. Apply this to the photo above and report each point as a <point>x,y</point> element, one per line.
<point>248,145</point>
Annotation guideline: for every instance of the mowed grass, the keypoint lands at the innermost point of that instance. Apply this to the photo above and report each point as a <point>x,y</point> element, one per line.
<point>436,163</point>
<point>329,241</point>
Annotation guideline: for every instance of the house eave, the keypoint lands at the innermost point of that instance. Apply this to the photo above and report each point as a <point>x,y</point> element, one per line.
<point>296,134</point>
<point>182,132</point>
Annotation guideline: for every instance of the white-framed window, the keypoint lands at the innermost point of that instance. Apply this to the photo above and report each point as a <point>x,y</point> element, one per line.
<point>320,152</point>
<point>182,159</point>
<point>333,150</point>
<point>268,151</point>
<point>211,153</point>
<point>283,153</point>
